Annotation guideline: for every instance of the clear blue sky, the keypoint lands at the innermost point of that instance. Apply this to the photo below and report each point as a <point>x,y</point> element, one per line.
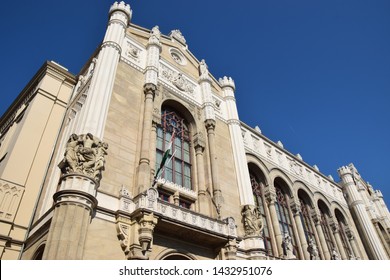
<point>313,74</point>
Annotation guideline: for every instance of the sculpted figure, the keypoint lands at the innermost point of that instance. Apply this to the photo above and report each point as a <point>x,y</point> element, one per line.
<point>335,255</point>
<point>312,249</point>
<point>71,158</point>
<point>203,69</point>
<point>84,154</point>
<point>287,245</point>
<point>253,222</point>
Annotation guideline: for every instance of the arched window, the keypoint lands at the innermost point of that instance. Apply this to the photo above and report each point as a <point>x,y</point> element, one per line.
<point>258,195</point>
<point>306,220</point>
<point>343,233</point>
<point>282,211</point>
<point>173,134</point>
<point>326,226</point>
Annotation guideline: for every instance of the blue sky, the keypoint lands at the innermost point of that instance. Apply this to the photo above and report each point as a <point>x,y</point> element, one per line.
<point>312,74</point>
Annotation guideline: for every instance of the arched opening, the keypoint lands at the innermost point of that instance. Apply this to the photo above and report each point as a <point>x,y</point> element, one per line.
<point>325,225</point>
<point>258,187</point>
<point>343,233</point>
<point>39,253</point>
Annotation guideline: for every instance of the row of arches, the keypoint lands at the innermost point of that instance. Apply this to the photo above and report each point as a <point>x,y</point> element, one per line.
<point>307,217</point>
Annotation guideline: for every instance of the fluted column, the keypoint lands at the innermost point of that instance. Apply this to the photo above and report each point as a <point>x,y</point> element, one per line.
<point>366,229</point>
<point>271,199</point>
<point>336,233</point>
<point>239,156</point>
<point>324,245</point>
<point>302,247</point>
<point>97,103</point>
<point>203,202</point>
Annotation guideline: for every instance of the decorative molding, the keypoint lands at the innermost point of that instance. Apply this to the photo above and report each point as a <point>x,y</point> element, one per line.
<point>10,196</point>
<point>176,34</point>
<point>177,79</point>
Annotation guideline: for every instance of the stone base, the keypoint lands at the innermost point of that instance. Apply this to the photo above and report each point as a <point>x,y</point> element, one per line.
<point>253,248</point>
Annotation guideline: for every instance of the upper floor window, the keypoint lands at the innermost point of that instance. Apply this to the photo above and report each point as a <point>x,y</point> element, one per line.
<point>174,134</point>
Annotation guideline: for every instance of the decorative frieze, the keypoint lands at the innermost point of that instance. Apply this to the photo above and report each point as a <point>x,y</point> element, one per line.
<point>177,79</point>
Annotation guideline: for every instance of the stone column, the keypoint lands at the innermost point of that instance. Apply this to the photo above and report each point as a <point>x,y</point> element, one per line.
<point>296,210</point>
<point>271,199</point>
<point>150,90</point>
<point>296,235</point>
<point>239,156</point>
<point>203,202</point>
<point>382,238</point>
<point>324,245</point>
<point>96,105</point>
<point>317,238</point>
<point>75,200</point>
<point>270,229</point>
<point>364,225</point>
<point>339,243</point>
<point>217,193</point>
<point>209,116</point>
<point>153,139</point>
<point>352,241</point>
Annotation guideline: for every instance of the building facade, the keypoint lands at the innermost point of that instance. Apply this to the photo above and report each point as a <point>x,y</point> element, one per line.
<point>143,156</point>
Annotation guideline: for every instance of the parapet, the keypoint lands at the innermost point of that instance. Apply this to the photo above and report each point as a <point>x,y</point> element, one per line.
<point>344,170</point>
<point>121,6</point>
<point>227,82</point>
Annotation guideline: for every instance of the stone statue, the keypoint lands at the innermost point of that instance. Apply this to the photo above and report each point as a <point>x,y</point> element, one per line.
<point>203,69</point>
<point>312,249</point>
<point>253,222</point>
<point>84,154</point>
<point>287,246</point>
<point>335,255</point>
<point>155,35</point>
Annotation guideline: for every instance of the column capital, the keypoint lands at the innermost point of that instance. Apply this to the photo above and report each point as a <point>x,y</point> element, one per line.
<point>295,207</point>
<point>150,89</point>
<point>210,124</point>
<point>270,195</point>
<point>199,142</point>
<point>334,226</point>
<point>315,216</point>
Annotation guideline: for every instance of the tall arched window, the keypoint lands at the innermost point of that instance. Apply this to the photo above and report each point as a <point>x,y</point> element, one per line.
<point>326,226</point>
<point>282,211</point>
<point>343,234</point>
<point>258,195</point>
<point>306,220</point>
<point>173,134</point>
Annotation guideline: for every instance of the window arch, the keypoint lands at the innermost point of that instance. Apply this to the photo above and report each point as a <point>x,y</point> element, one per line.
<point>258,195</point>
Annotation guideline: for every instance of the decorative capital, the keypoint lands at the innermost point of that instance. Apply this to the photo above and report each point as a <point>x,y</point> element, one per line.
<point>270,195</point>
<point>252,220</point>
<point>150,89</point>
<point>295,207</point>
<point>84,154</point>
<point>210,124</point>
<point>199,142</point>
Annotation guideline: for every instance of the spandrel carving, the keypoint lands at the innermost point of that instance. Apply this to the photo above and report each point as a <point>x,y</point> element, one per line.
<point>84,154</point>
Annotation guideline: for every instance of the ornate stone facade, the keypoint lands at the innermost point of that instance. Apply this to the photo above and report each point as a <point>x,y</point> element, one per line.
<point>225,192</point>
